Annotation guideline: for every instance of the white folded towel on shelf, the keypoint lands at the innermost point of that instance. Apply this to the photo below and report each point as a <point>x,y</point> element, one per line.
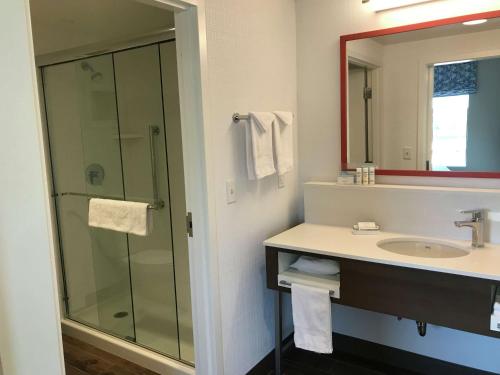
<point>259,145</point>
<point>283,141</point>
<point>496,308</point>
<point>121,216</point>
<point>316,266</point>
<point>312,318</point>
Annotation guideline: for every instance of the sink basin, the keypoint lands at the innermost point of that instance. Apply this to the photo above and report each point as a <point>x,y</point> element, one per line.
<point>418,247</point>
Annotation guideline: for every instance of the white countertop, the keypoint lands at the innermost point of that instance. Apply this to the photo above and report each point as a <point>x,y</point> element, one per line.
<point>340,242</point>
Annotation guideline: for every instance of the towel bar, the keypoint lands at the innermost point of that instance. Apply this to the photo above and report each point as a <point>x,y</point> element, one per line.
<point>287,284</point>
<point>237,117</point>
<point>151,206</point>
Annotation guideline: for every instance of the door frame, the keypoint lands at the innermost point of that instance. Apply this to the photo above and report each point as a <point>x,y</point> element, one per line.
<point>198,167</point>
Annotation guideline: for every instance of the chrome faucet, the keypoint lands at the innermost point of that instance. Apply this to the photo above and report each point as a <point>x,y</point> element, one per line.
<point>477,225</point>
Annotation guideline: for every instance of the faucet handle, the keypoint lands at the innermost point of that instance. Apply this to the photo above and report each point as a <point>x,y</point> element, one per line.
<point>477,214</point>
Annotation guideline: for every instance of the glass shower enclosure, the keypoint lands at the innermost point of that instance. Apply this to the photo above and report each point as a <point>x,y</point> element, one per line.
<point>113,128</point>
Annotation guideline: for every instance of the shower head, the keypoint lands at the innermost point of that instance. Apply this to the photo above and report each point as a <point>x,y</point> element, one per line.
<point>86,67</point>
<point>97,76</point>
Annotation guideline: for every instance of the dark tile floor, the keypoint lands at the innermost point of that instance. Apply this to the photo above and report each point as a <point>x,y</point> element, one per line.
<point>301,362</point>
<point>83,359</point>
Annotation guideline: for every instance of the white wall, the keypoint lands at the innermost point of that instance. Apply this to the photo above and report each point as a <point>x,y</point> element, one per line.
<point>251,66</point>
<point>30,339</point>
<point>319,26</point>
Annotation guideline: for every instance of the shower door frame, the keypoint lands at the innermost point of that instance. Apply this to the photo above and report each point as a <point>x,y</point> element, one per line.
<point>199,180</point>
<point>111,49</point>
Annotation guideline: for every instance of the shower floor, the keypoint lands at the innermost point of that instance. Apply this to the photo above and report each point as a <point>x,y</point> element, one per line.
<point>152,325</point>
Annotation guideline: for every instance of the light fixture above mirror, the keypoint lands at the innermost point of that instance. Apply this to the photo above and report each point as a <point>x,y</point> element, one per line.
<point>475,22</point>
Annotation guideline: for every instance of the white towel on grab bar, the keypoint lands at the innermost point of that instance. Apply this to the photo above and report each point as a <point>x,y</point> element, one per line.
<point>312,318</point>
<point>121,216</point>
<point>259,145</point>
<point>283,141</point>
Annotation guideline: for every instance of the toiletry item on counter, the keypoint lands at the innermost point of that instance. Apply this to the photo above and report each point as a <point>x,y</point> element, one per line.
<point>359,176</point>
<point>316,266</point>
<point>365,227</point>
<point>365,175</point>
<point>371,175</point>
<point>345,178</point>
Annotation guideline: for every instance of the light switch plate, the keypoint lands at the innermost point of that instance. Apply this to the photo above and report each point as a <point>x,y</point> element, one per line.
<point>230,191</point>
<point>407,153</point>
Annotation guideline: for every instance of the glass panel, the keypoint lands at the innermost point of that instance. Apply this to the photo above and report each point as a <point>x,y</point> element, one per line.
<point>85,154</point>
<point>178,203</point>
<point>151,258</point>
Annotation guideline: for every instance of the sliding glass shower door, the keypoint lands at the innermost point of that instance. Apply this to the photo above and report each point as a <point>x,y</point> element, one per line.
<point>108,135</point>
<point>85,152</point>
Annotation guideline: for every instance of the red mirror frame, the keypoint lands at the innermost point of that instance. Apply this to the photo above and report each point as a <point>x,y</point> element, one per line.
<point>343,92</point>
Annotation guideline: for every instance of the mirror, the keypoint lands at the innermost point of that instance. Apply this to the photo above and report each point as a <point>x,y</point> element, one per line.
<point>425,101</point>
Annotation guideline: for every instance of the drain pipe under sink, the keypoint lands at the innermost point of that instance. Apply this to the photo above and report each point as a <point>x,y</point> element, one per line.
<point>422,328</point>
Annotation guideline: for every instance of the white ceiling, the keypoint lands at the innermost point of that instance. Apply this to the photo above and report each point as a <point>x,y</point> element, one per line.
<point>63,24</point>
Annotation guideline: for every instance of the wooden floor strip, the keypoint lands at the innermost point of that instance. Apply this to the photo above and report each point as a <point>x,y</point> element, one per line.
<point>84,359</point>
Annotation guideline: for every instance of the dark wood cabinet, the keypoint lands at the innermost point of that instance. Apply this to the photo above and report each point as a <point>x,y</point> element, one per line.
<point>459,302</point>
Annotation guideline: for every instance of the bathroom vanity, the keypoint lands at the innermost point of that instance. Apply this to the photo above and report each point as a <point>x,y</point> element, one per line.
<point>455,290</point>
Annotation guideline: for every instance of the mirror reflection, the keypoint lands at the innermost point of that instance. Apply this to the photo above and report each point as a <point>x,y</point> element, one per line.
<point>426,99</point>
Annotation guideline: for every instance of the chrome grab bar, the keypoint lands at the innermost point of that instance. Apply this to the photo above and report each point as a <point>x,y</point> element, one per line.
<point>153,132</point>
<point>157,202</point>
<point>289,285</point>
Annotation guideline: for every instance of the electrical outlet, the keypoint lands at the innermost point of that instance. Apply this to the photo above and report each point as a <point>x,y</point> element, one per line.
<point>407,153</point>
<point>230,191</point>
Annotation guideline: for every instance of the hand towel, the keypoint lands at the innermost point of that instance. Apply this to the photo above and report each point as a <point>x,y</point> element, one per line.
<point>312,318</point>
<point>283,141</point>
<point>259,145</point>
<point>121,216</point>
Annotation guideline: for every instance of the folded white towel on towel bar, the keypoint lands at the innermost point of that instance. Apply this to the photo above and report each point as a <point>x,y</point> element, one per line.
<point>312,318</point>
<point>259,145</point>
<point>121,216</point>
<point>283,141</point>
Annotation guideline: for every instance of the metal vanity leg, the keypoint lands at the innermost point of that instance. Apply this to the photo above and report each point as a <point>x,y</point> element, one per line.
<point>278,332</point>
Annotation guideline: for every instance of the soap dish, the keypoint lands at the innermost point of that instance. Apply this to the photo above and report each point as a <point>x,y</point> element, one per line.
<point>374,230</point>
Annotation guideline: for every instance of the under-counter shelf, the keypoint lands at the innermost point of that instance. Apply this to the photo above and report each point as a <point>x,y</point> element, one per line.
<point>292,276</point>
